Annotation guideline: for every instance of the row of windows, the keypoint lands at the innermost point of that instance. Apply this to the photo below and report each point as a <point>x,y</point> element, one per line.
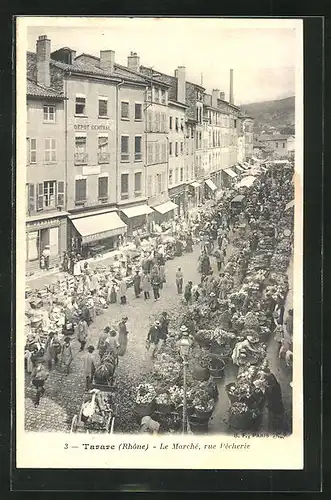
<point>156,95</point>
<point>125,185</point>
<point>156,152</point>
<point>176,147</point>
<point>176,124</point>
<point>48,194</point>
<point>156,121</point>
<point>156,184</point>
<point>180,175</point>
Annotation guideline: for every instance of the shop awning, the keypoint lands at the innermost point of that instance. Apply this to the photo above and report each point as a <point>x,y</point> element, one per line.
<point>230,172</point>
<point>99,227</point>
<point>289,205</point>
<point>166,207</point>
<point>211,185</point>
<point>239,167</point>
<point>136,211</point>
<point>246,181</point>
<point>195,184</point>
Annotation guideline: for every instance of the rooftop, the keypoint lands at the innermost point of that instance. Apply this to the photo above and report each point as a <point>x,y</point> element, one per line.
<point>276,137</point>
<point>35,90</point>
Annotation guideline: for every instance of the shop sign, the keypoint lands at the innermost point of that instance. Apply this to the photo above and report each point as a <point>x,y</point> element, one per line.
<point>41,224</point>
<point>109,125</point>
<point>91,170</point>
<point>101,236</point>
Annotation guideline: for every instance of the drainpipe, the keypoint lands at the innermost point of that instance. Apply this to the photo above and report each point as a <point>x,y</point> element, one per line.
<point>117,141</point>
<point>66,155</point>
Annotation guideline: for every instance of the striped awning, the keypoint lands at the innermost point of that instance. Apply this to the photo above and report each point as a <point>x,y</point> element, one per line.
<point>230,172</point>
<point>136,211</point>
<point>210,184</point>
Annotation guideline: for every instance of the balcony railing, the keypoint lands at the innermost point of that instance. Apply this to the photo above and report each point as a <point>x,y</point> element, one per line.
<point>103,157</point>
<point>81,158</point>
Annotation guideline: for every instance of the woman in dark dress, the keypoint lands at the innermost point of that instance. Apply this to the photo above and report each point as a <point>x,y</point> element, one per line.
<point>274,403</point>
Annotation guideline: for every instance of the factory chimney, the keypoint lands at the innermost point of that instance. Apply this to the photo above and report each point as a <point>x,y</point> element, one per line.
<point>231,99</point>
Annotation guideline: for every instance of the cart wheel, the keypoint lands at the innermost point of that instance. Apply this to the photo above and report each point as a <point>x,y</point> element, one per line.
<point>74,424</point>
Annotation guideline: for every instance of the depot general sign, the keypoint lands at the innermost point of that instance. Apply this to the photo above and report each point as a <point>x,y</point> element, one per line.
<point>95,126</point>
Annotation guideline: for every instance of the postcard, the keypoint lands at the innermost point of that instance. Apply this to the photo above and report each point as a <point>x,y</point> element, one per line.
<point>159,225</point>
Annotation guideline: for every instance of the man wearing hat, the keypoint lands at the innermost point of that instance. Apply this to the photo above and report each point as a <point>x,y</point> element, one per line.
<point>38,379</point>
<point>245,345</point>
<point>46,254</point>
<point>102,341</point>
<point>184,333</point>
<point>154,336</point>
<point>66,355</point>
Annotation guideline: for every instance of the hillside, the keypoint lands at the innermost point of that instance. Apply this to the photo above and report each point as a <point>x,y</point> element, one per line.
<point>278,114</point>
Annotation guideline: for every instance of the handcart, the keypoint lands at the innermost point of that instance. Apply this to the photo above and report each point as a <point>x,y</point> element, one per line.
<point>97,413</point>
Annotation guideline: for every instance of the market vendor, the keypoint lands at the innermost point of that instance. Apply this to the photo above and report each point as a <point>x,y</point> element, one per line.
<point>245,345</point>
<point>153,337</point>
<point>149,426</point>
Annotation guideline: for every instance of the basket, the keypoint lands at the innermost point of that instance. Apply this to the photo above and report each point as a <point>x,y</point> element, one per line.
<point>243,421</point>
<point>200,373</point>
<point>144,409</point>
<point>232,397</point>
<point>203,414</point>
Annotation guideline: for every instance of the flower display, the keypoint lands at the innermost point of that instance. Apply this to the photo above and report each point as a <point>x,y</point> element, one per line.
<point>162,399</point>
<point>145,394</point>
<point>176,395</point>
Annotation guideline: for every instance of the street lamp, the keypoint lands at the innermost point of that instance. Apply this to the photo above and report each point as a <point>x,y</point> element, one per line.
<point>184,345</point>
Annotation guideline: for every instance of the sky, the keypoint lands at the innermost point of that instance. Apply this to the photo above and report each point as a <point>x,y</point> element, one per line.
<point>263,53</point>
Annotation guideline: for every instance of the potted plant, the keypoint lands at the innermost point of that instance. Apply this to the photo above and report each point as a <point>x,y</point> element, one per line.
<point>163,403</point>
<point>145,399</point>
<point>203,404</point>
<point>241,416</point>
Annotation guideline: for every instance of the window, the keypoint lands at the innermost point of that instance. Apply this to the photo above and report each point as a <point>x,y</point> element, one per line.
<point>181,174</point>
<point>138,112</point>
<point>80,105</point>
<point>176,148</point>
<point>149,95</point>
<point>137,148</point>
<point>149,186</point>
<point>156,95</point>
<point>124,148</point>
<point>157,121</point>
<point>137,183</point>
<point>192,133</point>
<point>176,176</point>
<point>124,110</point>
<point>149,121</point>
<point>158,184</point>
<point>283,144</point>
<point>50,150</point>
<point>150,153</point>
<point>170,177</point>
<point>177,124</point>
<point>163,96</point>
<point>33,151</point>
<point>49,113</point>
<point>31,198</point>
<point>157,152</point>
<point>170,122</point>
<point>186,173</point>
<point>103,106</point>
<point>60,193</point>
<point>164,151</point>
<point>103,188</point>
<point>49,194</point>
<point>181,147</point>
<point>81,156</point>
<point>80,192</point>
<point>124,186</point>
<point>170,148</point>
<point>163,122</point>
<point>276,144</point>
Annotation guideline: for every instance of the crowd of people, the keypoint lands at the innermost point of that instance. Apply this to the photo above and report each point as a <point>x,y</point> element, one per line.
<point>213,229</point>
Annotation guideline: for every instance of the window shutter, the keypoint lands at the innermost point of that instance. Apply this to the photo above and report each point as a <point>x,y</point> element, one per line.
<point>32,198</point>
<point>103,187</point>
<point>40,198</point>
<point>60,194</point>
<point>53,141</point>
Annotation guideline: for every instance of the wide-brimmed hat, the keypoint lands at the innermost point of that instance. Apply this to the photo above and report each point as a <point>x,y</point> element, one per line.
<point>157,323</point>
<point>107,328</point>
<point>212,294</point>
<point>183,328</point>
<point>125,318</point>
<point>252,340</point>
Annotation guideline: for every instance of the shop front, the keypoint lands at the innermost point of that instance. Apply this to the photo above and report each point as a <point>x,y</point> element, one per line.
<point>45,232</point>
<point>179,196</point>
<point>210,189</point>
<point>228,177</point>
<point>165,212</point>
<point>95,234</point>
<point>138,220</point>
<point>194,194</point>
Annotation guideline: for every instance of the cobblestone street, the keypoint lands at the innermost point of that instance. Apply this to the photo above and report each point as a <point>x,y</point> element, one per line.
<point>64,394</point>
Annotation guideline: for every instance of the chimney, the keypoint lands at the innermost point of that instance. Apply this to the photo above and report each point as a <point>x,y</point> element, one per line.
<point>181,84</point>
<point>43,50</point>
<point>134,62</point>
<point>231,100</point>
<point>214,96</point>
<point>107,60</point>
<point>222,96</point>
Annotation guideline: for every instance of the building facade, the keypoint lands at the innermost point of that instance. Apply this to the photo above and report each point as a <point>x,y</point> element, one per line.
<point>248,123</point>
<point>278,146</point>
<point>46,222</point>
